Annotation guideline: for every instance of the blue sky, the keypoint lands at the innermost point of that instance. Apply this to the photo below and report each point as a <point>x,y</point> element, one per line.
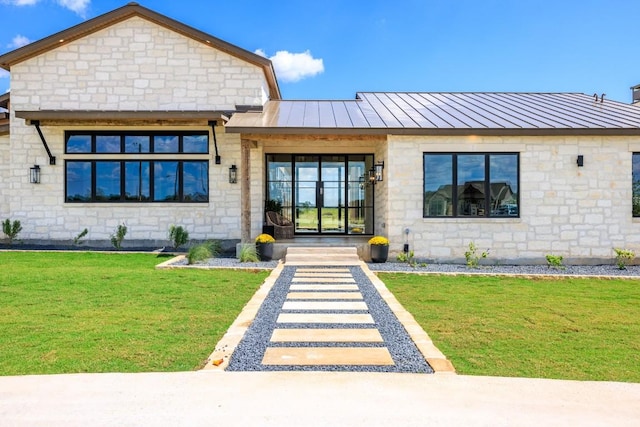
<point>333,49</point>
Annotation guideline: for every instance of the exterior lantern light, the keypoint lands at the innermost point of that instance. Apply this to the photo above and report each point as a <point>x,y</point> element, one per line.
<point>379,167</point>
<point>372,176</point>
<point>580,160</point>
<point>34,174</point>
<point>233,174</point>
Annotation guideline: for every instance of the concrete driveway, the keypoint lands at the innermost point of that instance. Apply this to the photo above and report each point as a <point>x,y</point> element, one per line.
<point>209,398</point>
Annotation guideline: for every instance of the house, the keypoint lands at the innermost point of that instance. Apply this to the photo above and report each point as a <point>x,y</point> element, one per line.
<point>134,117</point>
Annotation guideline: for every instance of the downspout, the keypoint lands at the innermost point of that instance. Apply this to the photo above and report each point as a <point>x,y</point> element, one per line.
<point>52,159</point>
<point>215,141</point>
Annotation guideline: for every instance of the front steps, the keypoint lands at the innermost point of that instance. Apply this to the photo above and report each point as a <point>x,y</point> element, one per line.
<point>317,255</point>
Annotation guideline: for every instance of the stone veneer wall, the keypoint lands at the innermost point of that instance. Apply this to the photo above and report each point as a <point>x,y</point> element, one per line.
<point>580,213</point>
<point>4,177</point>
<point>133,65</point>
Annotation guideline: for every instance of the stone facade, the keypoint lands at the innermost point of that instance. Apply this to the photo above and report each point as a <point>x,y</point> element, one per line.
<point>581,213</point>
<point>131,65</point>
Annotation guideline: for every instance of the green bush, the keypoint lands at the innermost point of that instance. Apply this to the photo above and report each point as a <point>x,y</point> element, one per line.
<point>407,257</point>
<point>78,239</point>
<point>178,236</point>
<point>472,256</point>
<point>554,261</point>
<point>118,236</point>
<point>11,230</point>
<point>623,256</point>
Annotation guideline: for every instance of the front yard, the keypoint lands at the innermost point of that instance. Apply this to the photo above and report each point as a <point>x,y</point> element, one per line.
<point>90,312</point>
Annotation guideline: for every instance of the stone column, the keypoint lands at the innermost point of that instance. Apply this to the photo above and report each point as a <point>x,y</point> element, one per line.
<point>245,189</point>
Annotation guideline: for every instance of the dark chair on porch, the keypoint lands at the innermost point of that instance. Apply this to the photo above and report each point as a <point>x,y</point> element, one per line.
<point>282,227</point>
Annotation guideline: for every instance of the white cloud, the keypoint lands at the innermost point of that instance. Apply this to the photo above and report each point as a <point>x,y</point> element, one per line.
<point>19,41</point>
<point>4,74</point>
<point>293,67</point>
<point>20,2</point>
<point>77,6</point>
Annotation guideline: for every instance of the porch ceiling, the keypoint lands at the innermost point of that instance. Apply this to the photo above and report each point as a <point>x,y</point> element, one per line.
<point>64,116</point>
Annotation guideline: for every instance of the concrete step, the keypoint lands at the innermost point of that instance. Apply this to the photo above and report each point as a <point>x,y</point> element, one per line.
<point>322,256</point>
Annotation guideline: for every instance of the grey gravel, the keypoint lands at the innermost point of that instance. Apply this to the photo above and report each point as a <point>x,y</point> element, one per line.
<point>580,270</point>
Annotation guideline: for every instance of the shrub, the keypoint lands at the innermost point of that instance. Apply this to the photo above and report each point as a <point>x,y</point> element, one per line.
<point>407,257</point>
<point>623,256</point>
<point>379,240</point>
<point>178,235</point>
<point>248,253</point>
<point>554,261</point>
<point>118,236</point>
<point>265,238</point>
<point>203,251</point>
<point>78,239</point>
<point>472,256</point>
<point>11,230</point>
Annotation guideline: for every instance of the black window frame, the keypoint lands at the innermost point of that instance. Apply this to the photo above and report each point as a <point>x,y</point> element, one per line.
<point>123,134</point>
<point>123,199</point>
<point>149,158</point>
<point>487,185</point>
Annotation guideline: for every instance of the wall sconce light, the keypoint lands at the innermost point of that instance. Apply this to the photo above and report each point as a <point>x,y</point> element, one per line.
<point>34,174</point>
<point>580,160</point>
<point>379,167</point>
<point>233,174</point>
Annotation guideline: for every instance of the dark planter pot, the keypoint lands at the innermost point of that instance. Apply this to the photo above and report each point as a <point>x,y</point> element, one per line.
<point>265,251</point>
<point>379,253</point>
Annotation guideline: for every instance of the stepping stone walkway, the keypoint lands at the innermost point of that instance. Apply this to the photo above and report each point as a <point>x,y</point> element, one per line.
<point>326,317</point>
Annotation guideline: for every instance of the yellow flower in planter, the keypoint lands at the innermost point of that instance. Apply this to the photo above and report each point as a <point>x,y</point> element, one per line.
<point>265,238</point>
<point>379,241</point>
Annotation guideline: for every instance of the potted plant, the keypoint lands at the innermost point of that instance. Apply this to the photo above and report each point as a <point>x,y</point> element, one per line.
<point>379,248</point>
<point>264,246</point>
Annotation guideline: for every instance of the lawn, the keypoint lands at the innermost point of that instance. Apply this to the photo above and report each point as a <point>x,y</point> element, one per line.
<point>97,312</point>
<point>581,329</point>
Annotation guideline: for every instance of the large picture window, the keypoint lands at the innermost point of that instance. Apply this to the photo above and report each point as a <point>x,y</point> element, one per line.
<point>471,185</point>
<point>141,171</point>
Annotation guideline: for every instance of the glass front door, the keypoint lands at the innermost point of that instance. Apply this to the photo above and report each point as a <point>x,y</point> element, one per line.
<point>322,194</point>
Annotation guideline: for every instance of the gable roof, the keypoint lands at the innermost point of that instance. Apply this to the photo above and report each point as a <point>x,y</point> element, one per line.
<point>128,11</point>
<point>470,113</point>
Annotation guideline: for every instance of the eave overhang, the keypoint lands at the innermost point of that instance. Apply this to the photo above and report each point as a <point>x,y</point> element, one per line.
<point>431,132</point>
<point>53,117</point>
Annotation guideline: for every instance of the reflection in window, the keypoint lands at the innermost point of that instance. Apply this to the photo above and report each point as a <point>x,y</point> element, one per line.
<point>79,144</point>
<point>165,144</point>
<point>136,144</point>
<point>475,185</point>
<point>195,181</point>
<point>133,181</point>
<point>78,180</point>
<point>195,144</point>
<point>165,179</point>
<point>438,184</point>
<point>108,144</point>
<point>137,181</point>
<point>107,181</point>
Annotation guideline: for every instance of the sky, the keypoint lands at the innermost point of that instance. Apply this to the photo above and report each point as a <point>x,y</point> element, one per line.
<point>335,48</point>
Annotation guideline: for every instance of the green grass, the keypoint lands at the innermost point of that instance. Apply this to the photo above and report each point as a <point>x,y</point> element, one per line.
<point>581,329</point>
<point>91,312</point>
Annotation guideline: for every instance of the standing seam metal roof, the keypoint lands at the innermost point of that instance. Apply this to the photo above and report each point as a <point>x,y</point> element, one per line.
<point>441,112</point>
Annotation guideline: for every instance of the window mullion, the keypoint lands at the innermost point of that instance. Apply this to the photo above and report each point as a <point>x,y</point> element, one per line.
<point>454,185</point>
<point>487,185</point>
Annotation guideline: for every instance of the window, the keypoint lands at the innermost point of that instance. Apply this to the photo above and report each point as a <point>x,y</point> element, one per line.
<point>142,172</point>
<point>471,185</point>
<point>635,183</point>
